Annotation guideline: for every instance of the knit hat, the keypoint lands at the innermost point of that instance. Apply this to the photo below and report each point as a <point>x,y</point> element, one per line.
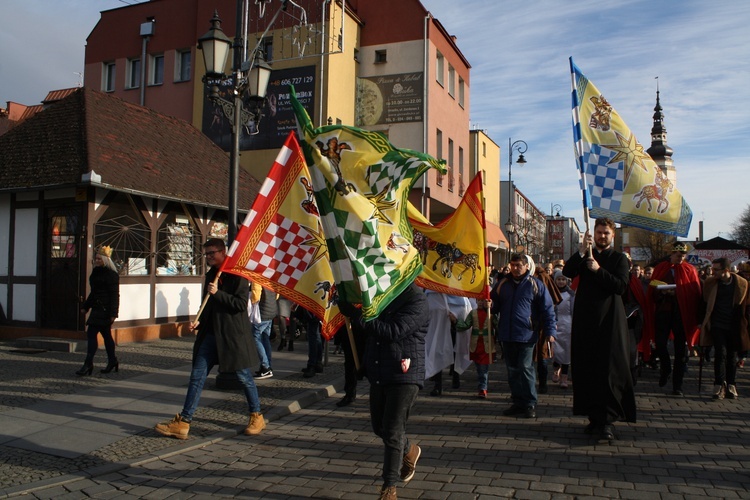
<point>558,274</point>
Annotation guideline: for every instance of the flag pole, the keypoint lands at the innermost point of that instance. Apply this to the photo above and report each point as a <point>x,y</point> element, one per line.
<point>205,299</point>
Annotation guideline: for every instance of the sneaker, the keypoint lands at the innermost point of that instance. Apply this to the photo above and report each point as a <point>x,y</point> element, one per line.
<point>563,381</point>
<point>482,394</point>
<point>556,375</point>
<point>256,424</point>
<point>176,428</point>
<point>308,372</point>
<point>529,412</point>
<point>732,392</point>
<point>409,463</point>
<point>263,373</point>
<point>741,363</point>
<point>388,493</point>
<point>719,391</point>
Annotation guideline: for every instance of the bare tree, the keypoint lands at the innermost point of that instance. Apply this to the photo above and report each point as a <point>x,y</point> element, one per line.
<point>656,244</point>
<point>741,228</point>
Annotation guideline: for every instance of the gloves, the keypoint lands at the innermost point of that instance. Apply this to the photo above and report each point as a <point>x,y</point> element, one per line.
<point>348,309</point>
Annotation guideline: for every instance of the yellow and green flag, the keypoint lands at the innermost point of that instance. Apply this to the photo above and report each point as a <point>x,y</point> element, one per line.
<point>361,184</point>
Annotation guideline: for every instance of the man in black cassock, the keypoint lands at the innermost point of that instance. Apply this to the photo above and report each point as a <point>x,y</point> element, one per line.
<point>602,381</point>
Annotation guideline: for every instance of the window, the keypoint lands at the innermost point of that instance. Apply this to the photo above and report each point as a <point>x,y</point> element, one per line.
<point>439,68</point>
<point>450,152</point>
<point>266,46</point>
<point>182,66</point>
<point>381,56</point>
<point>179,250</point>
<point>451,81</point>
<point>439,154</point>
<point>134,73</point>
<point>461,161</point>
<point>461,85</point>
<point>108,77</point>
<point>123,229</point>
<point>484,149</point>
<point>484,177</point>
<point>156,70</point>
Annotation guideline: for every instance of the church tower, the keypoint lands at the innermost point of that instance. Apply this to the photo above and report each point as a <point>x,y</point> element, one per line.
<point>659,151</point>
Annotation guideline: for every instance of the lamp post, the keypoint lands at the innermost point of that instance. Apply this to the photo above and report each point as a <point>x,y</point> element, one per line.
<point>521,147</point>
<point>251,74</point>
<point>509,230</point>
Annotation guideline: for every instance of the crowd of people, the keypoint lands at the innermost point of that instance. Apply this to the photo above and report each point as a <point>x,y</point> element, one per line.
<point>597,318</point>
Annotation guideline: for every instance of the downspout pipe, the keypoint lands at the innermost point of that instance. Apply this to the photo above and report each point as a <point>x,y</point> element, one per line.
<point>425,108</point>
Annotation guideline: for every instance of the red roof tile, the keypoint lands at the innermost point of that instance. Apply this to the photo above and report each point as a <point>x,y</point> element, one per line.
<point>132,148</point>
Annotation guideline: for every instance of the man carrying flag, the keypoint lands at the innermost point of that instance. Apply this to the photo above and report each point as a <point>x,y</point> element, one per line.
<point>224,338</point>
<point>361,185</point>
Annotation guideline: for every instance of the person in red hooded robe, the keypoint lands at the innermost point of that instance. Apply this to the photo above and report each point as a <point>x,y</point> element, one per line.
<point>676,311</point>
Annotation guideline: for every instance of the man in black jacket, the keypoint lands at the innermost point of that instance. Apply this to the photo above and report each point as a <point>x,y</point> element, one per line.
<point>224,337</point>
<point>394,364</point>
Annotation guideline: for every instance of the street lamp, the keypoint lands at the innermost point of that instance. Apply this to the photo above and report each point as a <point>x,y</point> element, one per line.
<point>251,75</point>
<point>521,147</point>
<point>509,230</point>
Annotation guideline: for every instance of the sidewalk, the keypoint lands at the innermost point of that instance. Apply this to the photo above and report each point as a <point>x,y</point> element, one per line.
<point>54,424</point>
<point>681,447</point>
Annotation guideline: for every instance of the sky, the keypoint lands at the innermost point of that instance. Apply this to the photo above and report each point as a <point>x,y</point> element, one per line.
<point>520,82</point>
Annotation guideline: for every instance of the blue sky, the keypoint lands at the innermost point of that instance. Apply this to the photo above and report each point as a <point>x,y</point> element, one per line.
<point>520,81</point>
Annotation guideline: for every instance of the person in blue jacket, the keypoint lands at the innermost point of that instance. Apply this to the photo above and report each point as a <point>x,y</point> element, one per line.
<point>395,366</point>
<point>522,302</point>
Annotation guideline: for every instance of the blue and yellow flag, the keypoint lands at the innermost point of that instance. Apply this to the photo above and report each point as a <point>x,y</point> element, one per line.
<point>619,179</point>
<point>361,184</point>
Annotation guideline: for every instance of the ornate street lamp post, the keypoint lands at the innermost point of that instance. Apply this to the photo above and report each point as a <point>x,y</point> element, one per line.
<point>521,147</point>
<point>250,75</point>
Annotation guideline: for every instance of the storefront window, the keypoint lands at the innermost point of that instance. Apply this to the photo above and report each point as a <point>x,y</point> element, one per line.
<point>178,250</point>
<point>123,229</point>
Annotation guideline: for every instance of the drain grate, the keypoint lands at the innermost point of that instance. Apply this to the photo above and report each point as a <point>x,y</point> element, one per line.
<point>28,350</point>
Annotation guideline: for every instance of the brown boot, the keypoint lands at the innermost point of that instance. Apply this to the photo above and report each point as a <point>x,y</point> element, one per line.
<point>409,464</point>
<point>256,424</point>
<point>176,428</point>
<point>388,493</point>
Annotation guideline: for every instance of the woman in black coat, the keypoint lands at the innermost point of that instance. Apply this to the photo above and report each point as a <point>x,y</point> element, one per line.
<point>104,303</point>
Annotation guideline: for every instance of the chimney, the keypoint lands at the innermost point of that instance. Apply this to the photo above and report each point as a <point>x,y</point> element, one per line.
<point>700,230</point>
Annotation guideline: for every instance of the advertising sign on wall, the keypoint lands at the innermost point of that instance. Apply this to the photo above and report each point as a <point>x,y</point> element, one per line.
<point>390,99</point>
<point>278,117</point>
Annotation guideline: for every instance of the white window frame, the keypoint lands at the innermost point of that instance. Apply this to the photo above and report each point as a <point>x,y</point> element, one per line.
<point>440,69</point>
<point>182,74</point>
<point>109,77</point>
<point>461,91</point>
<point>155,73</point>
<point>451,80</point>
<point>133,73</point>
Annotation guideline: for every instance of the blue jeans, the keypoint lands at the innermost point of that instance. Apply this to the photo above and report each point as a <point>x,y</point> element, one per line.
<point>389,411</point>
<point>483,376</point>
<point>205,359</point>
<point>314,344</point>
<point>262,336</point>
<point>519,358</point>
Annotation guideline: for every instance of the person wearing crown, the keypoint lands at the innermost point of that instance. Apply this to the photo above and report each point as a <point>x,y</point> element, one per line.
<point>104,303</point>
<point>677,303</point>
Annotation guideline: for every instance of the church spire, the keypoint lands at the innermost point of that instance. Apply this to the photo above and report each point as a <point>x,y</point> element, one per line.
<point>659,149</point>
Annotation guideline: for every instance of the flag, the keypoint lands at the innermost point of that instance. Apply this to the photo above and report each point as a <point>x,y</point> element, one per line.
<point>453,252</point>
<point>362,185</point>
<point>280,244</point>
<point>619,179</point>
